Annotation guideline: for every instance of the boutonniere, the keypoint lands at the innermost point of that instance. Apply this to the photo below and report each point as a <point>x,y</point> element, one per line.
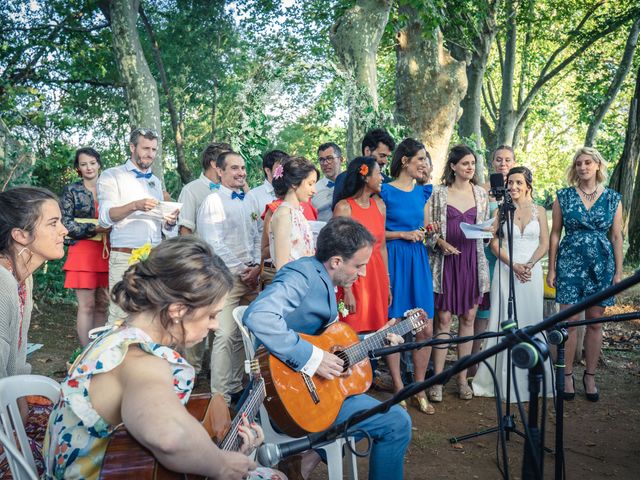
<point>342,310</point>
<point>254,216</point>
<point>152,184</point>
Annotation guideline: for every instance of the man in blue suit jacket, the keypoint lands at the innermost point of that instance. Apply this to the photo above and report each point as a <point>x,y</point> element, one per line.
<point>301,299</point>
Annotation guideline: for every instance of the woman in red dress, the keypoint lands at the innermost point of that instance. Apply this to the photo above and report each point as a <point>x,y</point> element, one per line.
<point>368,299</point>
<point>87,264</point>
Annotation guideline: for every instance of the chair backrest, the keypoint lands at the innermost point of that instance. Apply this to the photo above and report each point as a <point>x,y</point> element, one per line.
<point>247,337</point>
<point>11,389</point>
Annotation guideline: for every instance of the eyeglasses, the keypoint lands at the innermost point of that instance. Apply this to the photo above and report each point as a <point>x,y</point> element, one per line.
<point>328,159</point>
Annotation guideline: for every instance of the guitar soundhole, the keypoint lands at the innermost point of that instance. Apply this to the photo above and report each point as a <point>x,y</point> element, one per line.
<point>345,358</point>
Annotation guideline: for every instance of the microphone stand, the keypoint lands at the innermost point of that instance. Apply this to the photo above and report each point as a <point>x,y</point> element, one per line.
<point>507,423</point>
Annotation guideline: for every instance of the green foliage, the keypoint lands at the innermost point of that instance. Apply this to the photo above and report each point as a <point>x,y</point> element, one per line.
<point>49,284</point>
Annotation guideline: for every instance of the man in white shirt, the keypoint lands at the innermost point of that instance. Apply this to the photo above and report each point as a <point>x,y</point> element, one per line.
<point>330,160</point>
<point>263,194</point>
<point>126,195</point>
<point>194,193</point>
<point>225,221</point>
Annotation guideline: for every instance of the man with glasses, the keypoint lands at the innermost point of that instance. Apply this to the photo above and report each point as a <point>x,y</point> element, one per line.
<point>330,160</point>
<point>127,194</point>
<point>377,143</point>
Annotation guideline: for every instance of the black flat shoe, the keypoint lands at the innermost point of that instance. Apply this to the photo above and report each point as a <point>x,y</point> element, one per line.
<point>566,395</point>
<point>592,397</point>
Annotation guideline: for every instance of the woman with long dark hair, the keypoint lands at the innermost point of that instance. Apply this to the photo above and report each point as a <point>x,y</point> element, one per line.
<point>459,265</point>
<point>409,271</point>
<point>367,301</point>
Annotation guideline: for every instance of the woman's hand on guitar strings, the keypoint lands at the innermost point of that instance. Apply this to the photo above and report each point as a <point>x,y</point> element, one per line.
<point>251,434</point>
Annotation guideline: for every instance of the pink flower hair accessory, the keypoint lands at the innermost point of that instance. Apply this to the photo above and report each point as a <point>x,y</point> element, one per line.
<point>278,171</point>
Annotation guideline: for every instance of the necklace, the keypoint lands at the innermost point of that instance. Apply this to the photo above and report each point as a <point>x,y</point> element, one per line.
<point>589,197</point>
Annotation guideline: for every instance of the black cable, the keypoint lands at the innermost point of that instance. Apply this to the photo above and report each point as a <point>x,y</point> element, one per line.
<point>502,438</point>
<point>352,448</point>
<point>525,424</point>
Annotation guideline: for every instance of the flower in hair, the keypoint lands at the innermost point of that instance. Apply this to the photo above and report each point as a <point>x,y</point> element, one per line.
<point>140,254</point>
<point>278,171</point>
<point>364,170</point>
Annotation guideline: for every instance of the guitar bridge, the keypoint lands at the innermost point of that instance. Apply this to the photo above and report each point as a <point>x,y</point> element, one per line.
<point>311,387</point>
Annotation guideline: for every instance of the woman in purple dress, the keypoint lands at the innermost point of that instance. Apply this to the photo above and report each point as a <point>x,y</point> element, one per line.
<point>459,266</point>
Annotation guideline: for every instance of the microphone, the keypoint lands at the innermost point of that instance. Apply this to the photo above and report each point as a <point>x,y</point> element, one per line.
<point>508,325</point>
<point>525,355</point>
<point>496,180</point>
<point>557,336</point>
<point>270,454</point>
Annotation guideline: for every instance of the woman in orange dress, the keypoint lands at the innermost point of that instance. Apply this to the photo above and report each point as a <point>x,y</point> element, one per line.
<point>367,301</point>
<point>87,265</point>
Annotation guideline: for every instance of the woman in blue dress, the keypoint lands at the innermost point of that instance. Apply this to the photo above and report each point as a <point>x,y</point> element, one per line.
<point>589,257</point>
<point>409,271</point>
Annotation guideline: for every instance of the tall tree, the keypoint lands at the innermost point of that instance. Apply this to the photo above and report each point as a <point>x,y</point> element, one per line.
<point>429,85</point>
<point>616,83</point>
<point>140,86</point>
<point>355,36</point>
<point>626,176</point>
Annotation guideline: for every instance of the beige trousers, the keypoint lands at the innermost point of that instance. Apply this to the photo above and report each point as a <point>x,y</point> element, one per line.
<point>118,264</point>
<point>227,350</point>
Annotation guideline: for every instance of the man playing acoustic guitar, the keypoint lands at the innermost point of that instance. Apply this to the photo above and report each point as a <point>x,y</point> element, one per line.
<point>302,300</point>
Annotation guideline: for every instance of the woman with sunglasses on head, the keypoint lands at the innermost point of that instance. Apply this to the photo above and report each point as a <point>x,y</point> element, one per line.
<point>589,257</point>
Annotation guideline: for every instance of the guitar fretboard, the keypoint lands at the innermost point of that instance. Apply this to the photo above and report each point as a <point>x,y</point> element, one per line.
<point>250,407</point>
<point>358,352</point>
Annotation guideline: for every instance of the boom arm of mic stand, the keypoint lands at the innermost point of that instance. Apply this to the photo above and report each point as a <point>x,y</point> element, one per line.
<point>510,339</point>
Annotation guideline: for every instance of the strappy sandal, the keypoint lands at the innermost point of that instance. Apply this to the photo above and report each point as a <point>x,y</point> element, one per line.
<point>435,393</point>
<point>570,395</point>
<point>422,404</point>
<point>465,392</point>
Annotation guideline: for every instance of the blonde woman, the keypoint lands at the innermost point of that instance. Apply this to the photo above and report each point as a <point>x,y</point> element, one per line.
<point>589,257</point>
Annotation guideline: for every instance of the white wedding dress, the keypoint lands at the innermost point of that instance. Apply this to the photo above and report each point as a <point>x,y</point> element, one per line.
<point>529,307</point>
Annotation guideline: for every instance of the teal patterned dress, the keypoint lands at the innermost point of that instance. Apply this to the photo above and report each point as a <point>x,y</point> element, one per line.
<point>585,263</point>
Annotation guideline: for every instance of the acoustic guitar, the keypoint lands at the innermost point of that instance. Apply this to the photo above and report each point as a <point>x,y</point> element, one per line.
<point>299,404</point>
<point>125,458</point>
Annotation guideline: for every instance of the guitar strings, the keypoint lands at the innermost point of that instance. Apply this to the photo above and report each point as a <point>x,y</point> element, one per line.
<point>251,407</point>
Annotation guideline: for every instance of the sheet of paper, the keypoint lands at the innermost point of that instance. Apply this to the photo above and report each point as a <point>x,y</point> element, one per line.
<point>475,231</point>
<point>162,209</point>
<point>32,347</point>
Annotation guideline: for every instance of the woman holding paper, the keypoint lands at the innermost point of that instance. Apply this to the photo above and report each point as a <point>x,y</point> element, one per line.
<point>87,265</point>
<point>459,266</point>
<point>530,244</point>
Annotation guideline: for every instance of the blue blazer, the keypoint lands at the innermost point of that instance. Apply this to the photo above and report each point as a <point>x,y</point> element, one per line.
<point>301,299</point>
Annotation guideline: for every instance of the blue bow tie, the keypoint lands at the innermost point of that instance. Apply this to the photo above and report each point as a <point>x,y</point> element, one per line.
<point>139,174</point>
<point>214,186</point>
<point>237,195</point>
<point>330,184</point>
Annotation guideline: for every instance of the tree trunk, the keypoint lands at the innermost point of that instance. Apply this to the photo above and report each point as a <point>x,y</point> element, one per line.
<point>355,37</point>
<point>627,172</point>
<point>469,125</point>
<point>183,168</point>
<point>616,83</point>
<point>430,84</point>
<point>140,86</point>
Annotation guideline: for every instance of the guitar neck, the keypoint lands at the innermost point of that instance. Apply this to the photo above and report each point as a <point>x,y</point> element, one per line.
<point>232,440</point>
<point>358,352</point>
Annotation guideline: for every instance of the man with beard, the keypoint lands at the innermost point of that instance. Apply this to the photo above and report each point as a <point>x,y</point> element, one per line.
<point>126,196</point>
<point>301,299</point>
<point>225,222</point>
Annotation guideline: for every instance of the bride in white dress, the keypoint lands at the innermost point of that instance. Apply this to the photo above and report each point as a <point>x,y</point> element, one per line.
<point>530,244</point>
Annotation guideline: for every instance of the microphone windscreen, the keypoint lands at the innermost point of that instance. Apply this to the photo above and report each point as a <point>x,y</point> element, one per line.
<point>496,180</point>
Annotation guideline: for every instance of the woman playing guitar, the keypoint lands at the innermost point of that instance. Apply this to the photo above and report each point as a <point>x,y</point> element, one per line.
<point>130,376</point>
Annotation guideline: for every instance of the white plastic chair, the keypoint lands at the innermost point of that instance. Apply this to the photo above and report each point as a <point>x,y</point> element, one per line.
<point>12,388</point>
<point>332,450</point>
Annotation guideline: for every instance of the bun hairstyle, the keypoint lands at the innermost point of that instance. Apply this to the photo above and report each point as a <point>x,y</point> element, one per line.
<point>20,207</point>
<point>526,173</point>
<point>354,180</point>
<point>294,171</point>
<point>180,270</point>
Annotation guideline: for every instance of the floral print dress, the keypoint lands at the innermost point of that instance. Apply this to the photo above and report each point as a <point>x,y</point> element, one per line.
<point>585,263</point>
<point>77,437</point>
